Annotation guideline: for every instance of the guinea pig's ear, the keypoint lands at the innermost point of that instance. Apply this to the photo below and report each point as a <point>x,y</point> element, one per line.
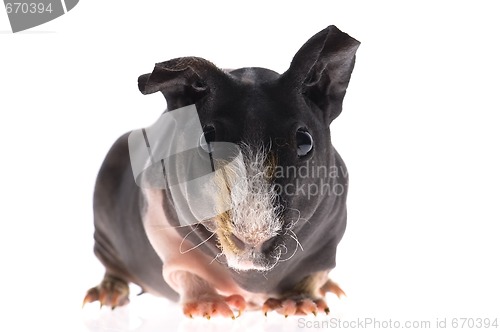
<point>322,69</point>
<point>183,81</point>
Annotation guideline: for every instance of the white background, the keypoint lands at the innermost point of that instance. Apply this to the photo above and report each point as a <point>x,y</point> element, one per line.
<point>419,133</point>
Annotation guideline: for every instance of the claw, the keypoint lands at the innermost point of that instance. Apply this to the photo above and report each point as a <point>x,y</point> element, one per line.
<point>332,287</point>
<point>91,296</point>
<point>295,306</point>
<point>322,306</point>
<point>289,307</point>
<point>270,304</point>
<point>115,300</point>
<point>236,301</point>
<point>102,298</point>
<point>211,305</point>
<point>308,306</point>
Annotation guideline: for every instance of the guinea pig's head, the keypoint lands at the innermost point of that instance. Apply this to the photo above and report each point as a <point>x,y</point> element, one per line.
<point>280,124</point>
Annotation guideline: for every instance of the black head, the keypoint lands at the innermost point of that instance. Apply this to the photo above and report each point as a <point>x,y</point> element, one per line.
<point>281,122</point>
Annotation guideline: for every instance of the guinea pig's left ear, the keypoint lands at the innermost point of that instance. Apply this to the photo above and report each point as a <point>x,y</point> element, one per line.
<point>183,81</point>
<point>322,69</point>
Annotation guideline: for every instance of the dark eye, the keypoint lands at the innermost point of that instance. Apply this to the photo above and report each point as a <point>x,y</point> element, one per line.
<point>304,142</point>
<point>207,138</point>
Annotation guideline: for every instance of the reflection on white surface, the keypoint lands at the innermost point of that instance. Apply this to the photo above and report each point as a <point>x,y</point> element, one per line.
<point>147,313</point>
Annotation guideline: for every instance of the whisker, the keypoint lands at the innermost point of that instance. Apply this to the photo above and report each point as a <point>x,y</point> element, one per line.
<point>215,258</point>
<point>276,261</point>
<point>283,246</point>
<point>295,238</point>
<point>293,223</point>
<point>184,238</point>
<point>293,254</point>
<point>196,246</point>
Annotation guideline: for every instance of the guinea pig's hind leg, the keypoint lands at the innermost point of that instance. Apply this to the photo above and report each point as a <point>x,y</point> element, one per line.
<point>307,297</point>
<point>200,299</point>
<point>112,291</point>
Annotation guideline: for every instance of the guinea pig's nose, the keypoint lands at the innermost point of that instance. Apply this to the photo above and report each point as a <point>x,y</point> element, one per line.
<point>268,245</point>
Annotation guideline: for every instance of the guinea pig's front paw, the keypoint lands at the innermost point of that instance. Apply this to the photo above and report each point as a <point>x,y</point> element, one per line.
<point>295,305</point>
<point>210,305</point>
<point>306,298</point>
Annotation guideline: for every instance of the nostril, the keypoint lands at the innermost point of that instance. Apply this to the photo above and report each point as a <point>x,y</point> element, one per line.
<point>268,245</point>
<point>237,242</point>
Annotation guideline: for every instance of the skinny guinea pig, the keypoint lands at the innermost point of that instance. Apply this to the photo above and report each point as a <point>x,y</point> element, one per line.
<point>272,248</point>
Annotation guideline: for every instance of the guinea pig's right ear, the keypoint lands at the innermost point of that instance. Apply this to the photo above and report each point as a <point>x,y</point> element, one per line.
<point>183,81</point>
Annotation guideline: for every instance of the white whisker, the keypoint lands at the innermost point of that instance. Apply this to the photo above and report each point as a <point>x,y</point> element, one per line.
<point>293,254</point>
<point>196,246</point>
<point>216,258</point>
<point>294,236</point>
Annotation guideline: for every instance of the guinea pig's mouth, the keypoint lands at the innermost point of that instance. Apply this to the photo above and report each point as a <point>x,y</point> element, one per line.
<point>236,254</point>
<point>251,260</point>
